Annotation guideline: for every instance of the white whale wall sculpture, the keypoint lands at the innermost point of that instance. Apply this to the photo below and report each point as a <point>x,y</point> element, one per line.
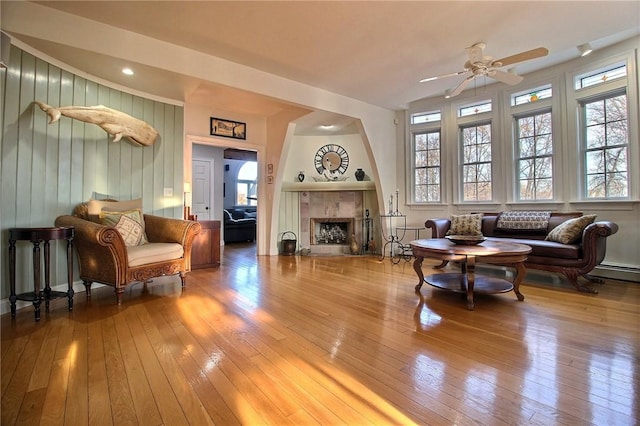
<point>116,123</point>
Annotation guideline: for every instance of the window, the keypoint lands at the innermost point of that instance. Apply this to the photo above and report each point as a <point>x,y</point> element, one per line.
<point>425,117</point>
<point>534,148</point>
<point>426,149</point>
<point>477,108</point>
<point>533,95</point>
<point>247,185</point>
<point>601,76</point>
<point>605,144</point>
<point>476,162</point>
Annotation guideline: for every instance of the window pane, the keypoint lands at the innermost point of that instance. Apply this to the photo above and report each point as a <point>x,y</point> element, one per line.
<point>617,133</point>
<point>544,145</point>
<point>248,171</point>
<point>595,136</point>
<point>543,167</point>
<point>527,147</point>
<point>600,76</point>
<point>606,146</point>
<point>421,158</point>
<point>616,159</point>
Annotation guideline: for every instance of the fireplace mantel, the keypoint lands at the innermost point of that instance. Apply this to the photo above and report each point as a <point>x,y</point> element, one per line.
<point>329,186</point>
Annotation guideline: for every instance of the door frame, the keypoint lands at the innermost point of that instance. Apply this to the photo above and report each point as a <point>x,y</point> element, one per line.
<point>190,140</point>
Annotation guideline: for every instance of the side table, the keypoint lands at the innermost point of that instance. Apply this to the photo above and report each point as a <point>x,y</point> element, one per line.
<point>205,250</point>
<point>37,236</point>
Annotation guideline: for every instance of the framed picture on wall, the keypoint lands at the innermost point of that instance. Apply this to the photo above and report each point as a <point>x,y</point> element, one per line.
<point>228,128</point>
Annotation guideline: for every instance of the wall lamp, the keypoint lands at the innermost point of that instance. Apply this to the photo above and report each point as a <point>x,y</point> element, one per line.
<point>585,49</point>
<point>447,93</point>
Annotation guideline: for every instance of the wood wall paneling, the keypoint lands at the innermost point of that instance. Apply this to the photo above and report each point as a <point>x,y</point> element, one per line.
<point>47,169</point>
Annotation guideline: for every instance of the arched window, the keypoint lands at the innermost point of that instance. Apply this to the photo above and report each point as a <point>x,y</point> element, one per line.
<point>247,184</point>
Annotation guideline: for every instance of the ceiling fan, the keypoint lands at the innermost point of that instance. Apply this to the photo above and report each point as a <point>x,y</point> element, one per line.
<point>481,65</point>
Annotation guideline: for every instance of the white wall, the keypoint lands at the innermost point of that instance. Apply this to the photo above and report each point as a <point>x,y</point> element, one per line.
<point>623,247</point>
<point>303,149</point>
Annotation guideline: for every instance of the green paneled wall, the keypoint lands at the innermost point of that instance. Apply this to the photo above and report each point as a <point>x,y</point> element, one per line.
<point>47,169</point>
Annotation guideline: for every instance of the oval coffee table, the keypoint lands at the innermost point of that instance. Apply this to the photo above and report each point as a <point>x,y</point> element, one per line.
<point>493,252</point>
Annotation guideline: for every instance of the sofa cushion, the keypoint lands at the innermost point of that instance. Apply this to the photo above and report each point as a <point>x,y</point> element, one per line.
<point>129,224</point>
<point>547,249</point>
<point>467,224</point>
<point>523,222</point>
<point>153,252</point>
<point>570,231</point>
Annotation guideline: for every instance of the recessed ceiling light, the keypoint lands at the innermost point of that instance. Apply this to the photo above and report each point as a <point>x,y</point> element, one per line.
<point>127,71</point>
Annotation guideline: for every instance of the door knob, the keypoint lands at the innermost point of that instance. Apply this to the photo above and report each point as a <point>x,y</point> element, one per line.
<point>206,208</point>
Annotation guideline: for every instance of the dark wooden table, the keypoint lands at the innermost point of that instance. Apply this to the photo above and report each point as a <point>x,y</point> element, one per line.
<point>494,252</point>
<point>38,236</point>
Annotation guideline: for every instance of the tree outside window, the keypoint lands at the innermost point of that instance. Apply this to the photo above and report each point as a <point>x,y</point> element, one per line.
<point>476,162</point>
<point>535,157</point>
<point>427,166</point>
<point>605,147</point>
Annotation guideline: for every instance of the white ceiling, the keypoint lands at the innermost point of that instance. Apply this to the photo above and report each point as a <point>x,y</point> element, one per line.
<point>375,52</point>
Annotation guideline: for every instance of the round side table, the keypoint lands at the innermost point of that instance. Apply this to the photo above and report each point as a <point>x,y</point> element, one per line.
<point>37,236</point>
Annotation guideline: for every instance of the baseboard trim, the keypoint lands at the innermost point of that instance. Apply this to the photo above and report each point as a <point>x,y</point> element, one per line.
<point>617,272</point>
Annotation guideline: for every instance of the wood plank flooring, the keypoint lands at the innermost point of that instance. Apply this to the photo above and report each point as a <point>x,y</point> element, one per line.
<point>325,340</point>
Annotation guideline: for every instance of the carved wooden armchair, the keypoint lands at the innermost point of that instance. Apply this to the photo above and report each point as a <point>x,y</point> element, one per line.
<point>111,255</point>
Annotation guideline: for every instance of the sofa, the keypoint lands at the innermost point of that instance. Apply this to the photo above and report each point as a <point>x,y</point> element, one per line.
<point>239,225</point>
<point>552,249</point>
<point>118,245</point>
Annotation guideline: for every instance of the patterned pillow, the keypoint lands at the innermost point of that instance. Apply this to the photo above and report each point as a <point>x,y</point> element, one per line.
<point>129,224</point>
<point>467,224</point>
<point>570,231</point>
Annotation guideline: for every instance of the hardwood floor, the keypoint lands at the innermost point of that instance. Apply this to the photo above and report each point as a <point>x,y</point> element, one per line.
<point>325,340</point>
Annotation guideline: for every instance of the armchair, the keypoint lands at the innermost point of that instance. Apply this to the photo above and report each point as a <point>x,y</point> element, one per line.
<point>104,256</point>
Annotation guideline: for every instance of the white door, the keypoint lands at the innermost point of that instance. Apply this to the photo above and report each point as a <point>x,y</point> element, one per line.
<point>202,179</point>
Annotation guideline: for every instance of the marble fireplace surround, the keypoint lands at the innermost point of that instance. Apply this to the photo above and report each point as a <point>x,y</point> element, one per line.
<point>325,206</point>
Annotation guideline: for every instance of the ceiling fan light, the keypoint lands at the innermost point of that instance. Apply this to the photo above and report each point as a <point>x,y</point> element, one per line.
<point>585,49</point>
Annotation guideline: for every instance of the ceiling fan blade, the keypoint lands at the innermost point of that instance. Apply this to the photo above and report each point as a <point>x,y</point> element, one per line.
<point>506,77</point>
<point>522,56</point>
<point>424,80</point>
<point>461,86</point>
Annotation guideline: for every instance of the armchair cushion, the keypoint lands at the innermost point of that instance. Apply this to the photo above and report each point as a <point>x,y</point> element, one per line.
<point>129,224</point>
<point>153,252</point>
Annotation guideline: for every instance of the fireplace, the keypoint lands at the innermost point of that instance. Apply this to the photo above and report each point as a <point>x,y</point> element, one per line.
<point>331,230</point>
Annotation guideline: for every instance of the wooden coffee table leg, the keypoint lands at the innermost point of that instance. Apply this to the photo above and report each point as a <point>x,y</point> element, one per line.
<point>471,272</point>
<point>417,266</point>
<point>520,273</point>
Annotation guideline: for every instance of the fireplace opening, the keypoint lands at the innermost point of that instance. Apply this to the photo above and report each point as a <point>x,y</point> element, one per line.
<point>331,231</point>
